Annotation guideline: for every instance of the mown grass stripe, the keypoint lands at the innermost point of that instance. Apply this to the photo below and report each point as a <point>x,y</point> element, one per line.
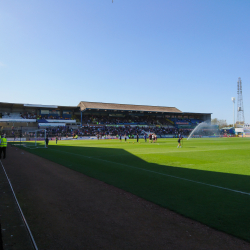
<point>172,176</point>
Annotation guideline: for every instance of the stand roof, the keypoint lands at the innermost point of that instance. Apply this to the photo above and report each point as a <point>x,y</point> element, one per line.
<point>125,107</point>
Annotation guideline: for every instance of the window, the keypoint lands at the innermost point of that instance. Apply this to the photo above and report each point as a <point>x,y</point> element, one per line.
<point>65,112</point>
<point>54,112</point>
<point>50,112</point>
<point>44,112</point>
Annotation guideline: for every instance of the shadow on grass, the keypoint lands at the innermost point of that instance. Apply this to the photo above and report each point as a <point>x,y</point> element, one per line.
<point>222,209</point>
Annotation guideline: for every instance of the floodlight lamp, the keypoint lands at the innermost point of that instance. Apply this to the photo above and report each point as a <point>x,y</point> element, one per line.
<point>233,99</point>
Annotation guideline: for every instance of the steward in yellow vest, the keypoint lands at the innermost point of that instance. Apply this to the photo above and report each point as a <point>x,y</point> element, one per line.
<point>3,147</point>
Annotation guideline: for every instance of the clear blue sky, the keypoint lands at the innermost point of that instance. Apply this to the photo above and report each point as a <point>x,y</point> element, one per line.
<point>178,53</point>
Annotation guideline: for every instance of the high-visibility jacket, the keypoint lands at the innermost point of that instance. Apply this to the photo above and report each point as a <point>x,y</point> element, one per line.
<point>4,143</point>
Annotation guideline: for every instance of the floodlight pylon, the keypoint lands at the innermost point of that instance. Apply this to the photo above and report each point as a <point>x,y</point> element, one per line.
<point>240,108</point>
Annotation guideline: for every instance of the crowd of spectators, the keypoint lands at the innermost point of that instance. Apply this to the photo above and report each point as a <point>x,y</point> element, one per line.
<point>114,131</point>
<point>21,115</point>
<point>28,115</point>
<point>117,131</point>
<point>53,117</point>
<point>126,120</point>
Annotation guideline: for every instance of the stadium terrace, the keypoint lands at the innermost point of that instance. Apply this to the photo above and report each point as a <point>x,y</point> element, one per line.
<point>97,114</point>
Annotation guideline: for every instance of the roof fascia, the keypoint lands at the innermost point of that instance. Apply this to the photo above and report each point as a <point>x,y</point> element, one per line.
<point>125,110</point>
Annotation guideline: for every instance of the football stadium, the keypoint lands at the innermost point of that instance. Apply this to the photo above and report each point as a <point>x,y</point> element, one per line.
<point>123,175</point>
<point>91,118</point>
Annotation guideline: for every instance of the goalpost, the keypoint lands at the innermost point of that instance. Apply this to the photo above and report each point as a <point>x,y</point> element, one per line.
<point>34,139</point>
<point>40,138</point>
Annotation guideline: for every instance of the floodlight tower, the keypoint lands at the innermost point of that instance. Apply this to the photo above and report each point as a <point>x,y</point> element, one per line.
<point>240,109</point>
<point>233,100</point>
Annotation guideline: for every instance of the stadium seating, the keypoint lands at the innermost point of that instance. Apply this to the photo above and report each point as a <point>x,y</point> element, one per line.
<point>106,120</point>
<point>17,115</point>
<point>11,116</point>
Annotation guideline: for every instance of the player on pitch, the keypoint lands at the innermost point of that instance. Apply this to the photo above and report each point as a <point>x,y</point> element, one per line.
<point>179,142</point>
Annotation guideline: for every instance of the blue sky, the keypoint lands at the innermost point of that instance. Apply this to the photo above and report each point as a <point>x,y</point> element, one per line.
<point>178,53</point>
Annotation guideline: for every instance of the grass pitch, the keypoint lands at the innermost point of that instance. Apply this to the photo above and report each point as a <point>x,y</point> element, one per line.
<point>207,180</point>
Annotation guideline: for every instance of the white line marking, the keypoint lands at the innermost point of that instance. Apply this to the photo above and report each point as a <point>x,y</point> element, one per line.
<point>20,210</point>
<point>173,176</point>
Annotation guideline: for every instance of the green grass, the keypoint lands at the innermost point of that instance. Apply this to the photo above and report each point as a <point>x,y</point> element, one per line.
<point>199,180</point>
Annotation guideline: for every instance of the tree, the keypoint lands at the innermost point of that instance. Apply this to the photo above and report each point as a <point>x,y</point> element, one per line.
<point>214,121</point>
<point>221,123</point>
